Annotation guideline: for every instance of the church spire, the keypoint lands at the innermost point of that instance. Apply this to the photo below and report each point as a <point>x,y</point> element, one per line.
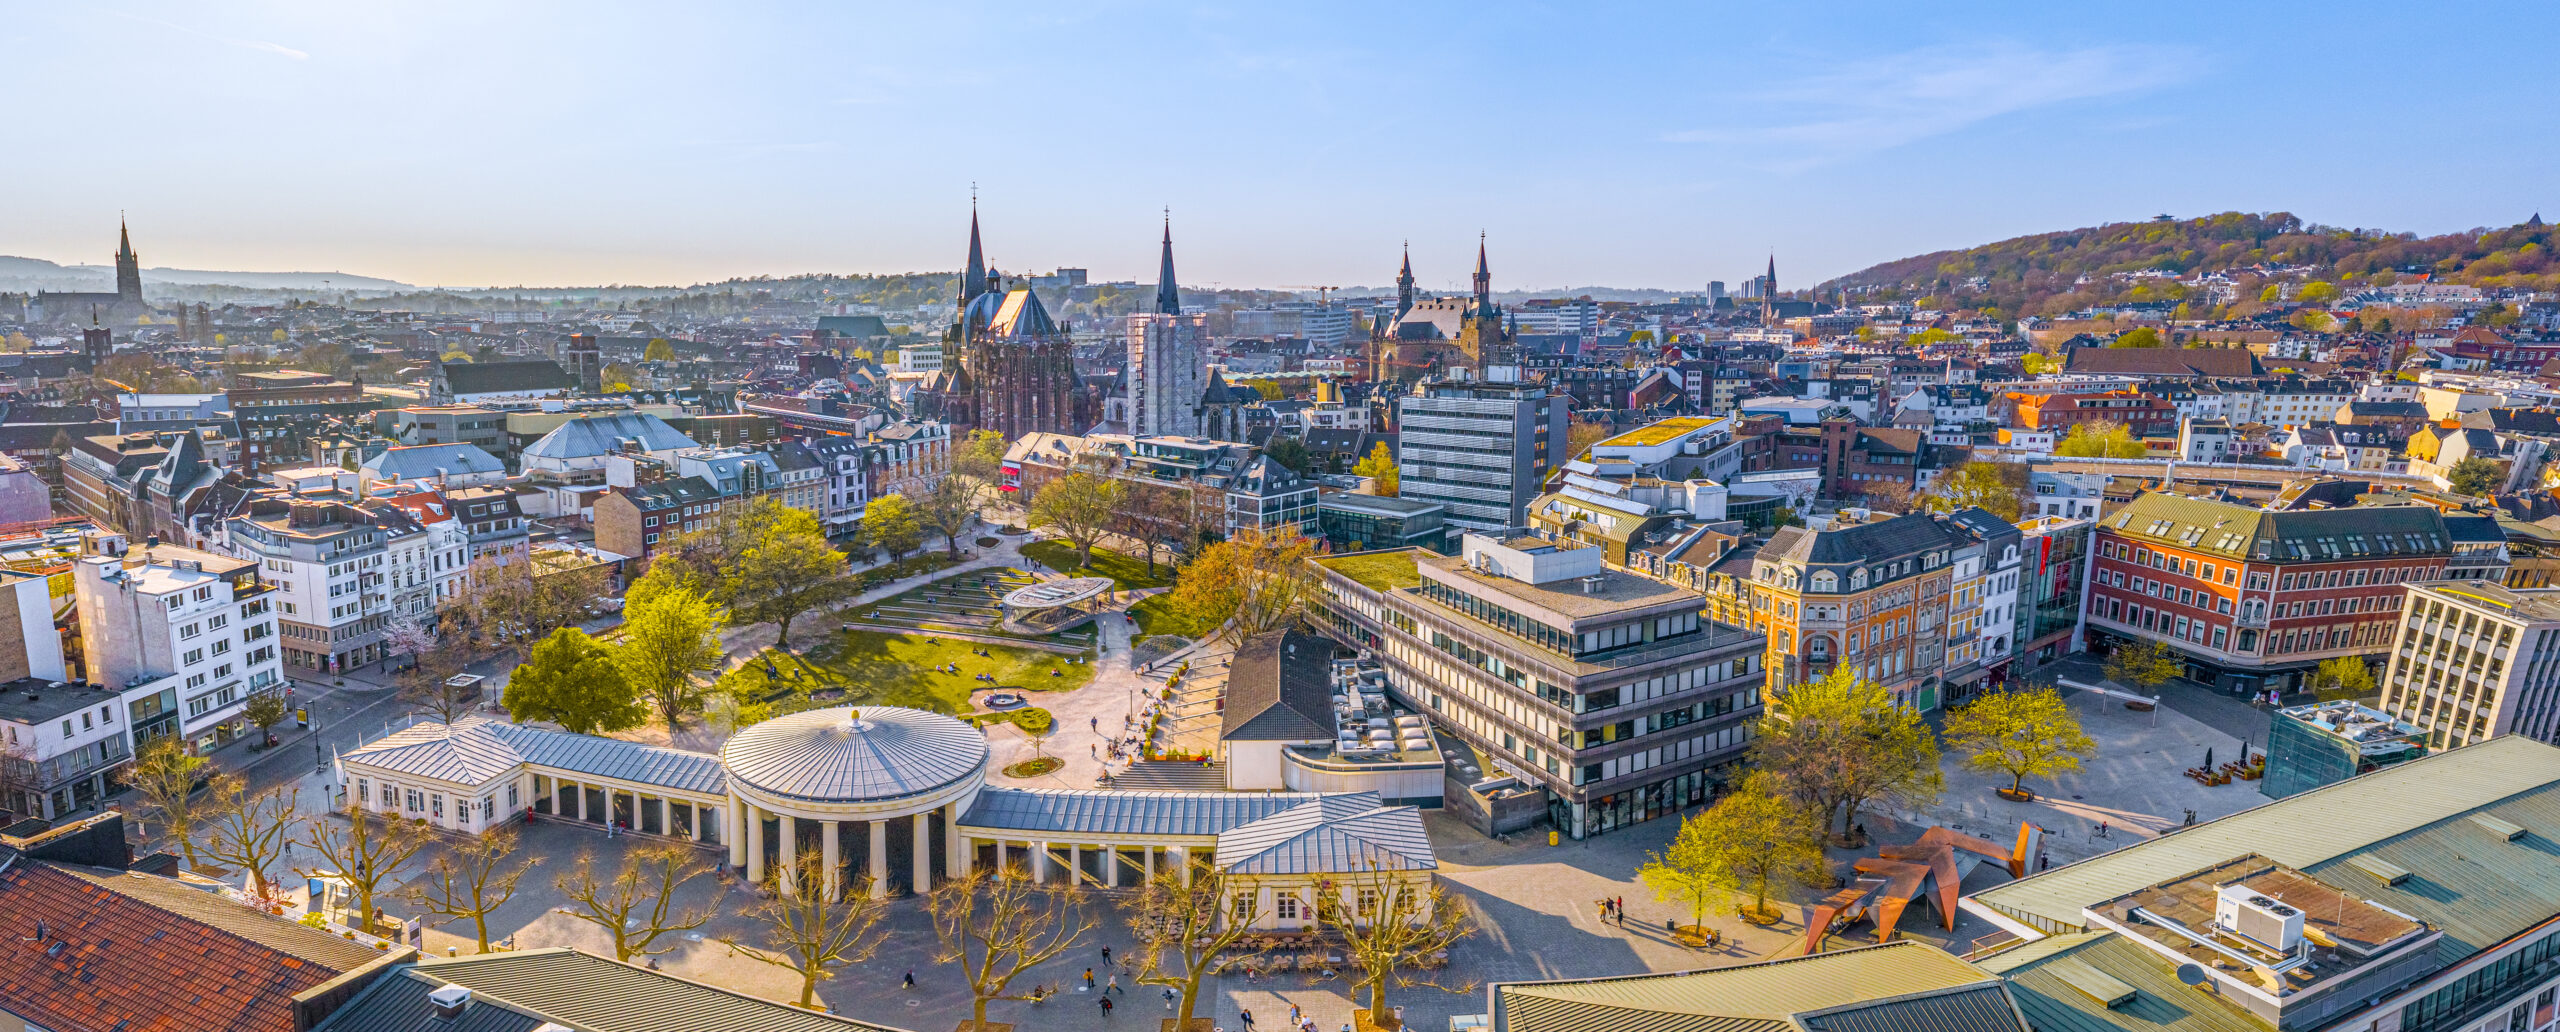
<point>124,240</point>
<point>1484,277</point>
<point>1404,282</point>
<point>973,280</point>
<point>1168,297</point>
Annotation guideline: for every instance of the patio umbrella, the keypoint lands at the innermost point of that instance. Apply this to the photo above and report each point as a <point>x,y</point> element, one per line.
<point>2244,750</point>
<point>2208,757</point>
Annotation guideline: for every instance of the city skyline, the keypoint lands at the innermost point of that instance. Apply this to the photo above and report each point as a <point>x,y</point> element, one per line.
<point>480,146</point>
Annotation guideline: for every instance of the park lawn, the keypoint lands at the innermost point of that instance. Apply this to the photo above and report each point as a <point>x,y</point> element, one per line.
<point>879,668</point>
<point>1156,614</point>
<point>1123,570</point>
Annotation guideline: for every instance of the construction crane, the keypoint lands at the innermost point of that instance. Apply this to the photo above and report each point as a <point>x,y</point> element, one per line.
<point>1324,295</point>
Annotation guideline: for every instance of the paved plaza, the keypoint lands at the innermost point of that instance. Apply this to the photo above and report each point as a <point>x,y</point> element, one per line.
<point>1536,905</point>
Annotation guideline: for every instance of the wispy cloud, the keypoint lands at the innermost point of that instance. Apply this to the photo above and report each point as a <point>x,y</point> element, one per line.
<point>260,45</point>
<point>1886,102</point>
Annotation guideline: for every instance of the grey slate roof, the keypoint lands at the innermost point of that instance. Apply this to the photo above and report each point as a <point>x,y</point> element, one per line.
<point>581,990</point>
<point>476,750</point>
<point>588,436</point>
<point>424,461</point>
<point>1279,689</point>
<point>1344,832</point>
<point>821,755</point>
<point>1084,812</point>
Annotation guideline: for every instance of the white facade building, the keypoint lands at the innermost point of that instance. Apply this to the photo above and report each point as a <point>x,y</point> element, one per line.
<point>158,618</point>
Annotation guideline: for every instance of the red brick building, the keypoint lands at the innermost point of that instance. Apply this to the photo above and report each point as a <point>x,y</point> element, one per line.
<point>2255,599</point>
<point>2058,413</point>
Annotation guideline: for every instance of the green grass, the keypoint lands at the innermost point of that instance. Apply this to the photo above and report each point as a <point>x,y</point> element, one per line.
<point>1156,615</point>
<point>1377,571</point>
<point>1029,718</point>
<point>878,668</point>
<point>1123,570</point>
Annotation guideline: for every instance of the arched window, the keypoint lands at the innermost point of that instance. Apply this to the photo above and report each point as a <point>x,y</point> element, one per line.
<point>1817,646</point>
<point>1824,581</point>
<point>1858,578</point>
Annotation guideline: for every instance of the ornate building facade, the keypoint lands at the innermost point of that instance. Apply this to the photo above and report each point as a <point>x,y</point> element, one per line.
<point>1008,366</point>
<point>1163,387</point>
<point>1425,338</point>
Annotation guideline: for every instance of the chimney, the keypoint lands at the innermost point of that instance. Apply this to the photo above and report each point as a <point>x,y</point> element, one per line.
<point>449,1001</point>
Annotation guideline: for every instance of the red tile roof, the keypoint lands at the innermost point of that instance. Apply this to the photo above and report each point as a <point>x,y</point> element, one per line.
<point>109,962</point>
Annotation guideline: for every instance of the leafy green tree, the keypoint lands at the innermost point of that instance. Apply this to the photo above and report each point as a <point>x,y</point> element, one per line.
<point>1932,336</point>
<point>2027,733</point>
<point>1752,840</point>
<point>1999,487</point>
<point>2476,476</point>
<point>659,349</point>
<point>2316,292</point>
<point>1381,467</point>
<point>2038,364</point>
<point>2100,440</point>
<point>2145,665</point>
<point>165,775</point>
<point>668,639</point>
<point>1840,742</point>
<point>2346,677</point>
<point>890,524</point>
<point>1290,452</point>
<point>570,679</point>
<point>2137,337</point>
<point>1080,507</point>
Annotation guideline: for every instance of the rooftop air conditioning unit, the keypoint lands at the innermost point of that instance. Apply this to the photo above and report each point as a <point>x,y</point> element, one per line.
<point>2242,911</point>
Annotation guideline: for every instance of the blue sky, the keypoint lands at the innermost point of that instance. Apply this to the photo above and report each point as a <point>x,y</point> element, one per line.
<point>1629,144</point>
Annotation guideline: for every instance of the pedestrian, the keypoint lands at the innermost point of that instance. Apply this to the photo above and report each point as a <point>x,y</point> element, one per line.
<point>911,979</point>
<point>2044,861</point>
<point>2102,829</point>
<point>1168,997</point>
<point>1094,723</point>
<point>1247,1017</point>
<point>1114,987</point>
<point>1295,1016</point>
<point>1106,1006</point>
<point>1088,979</point>
<point>1670,926</point>
<point>1106,954</point>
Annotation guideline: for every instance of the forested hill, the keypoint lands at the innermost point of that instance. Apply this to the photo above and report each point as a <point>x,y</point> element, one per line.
<point>2042,274</point>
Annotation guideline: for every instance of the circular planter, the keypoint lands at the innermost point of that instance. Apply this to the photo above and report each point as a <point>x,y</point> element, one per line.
<point>1762,918</point>
<point>2138,707</point>
<point>2015,795</point>
<point>1034,767</point>
<point>987,542</point>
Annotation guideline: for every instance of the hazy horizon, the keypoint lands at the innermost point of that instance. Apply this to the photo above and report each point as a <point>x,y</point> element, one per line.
<point>1640,146</point>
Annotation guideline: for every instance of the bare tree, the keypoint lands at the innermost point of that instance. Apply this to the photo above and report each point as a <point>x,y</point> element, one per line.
<point>474,880</point>
<point>249,831</point>
<point>426,685</point>
<point>366,851</point>
<point>997,924</point>
<point>165,775</point>
<point>21,781</point>
<point>950,506</point>
<point>1390,925</point>
<point>1190,927</point>
<point>810,935</point>
<point>637,904</point>
<point>511,606</point>
<point>1158,518</point>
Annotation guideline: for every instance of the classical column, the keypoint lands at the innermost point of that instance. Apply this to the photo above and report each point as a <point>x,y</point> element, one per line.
<point>787,854</point>
<point>1182,858</point>
<point>1110,866</point>
<point>827,844</point>
<point>958,855</point>
<point>667,818</point>
<point>560,799</point>
<point>737,832</point>
<point>1039,862</point>
<point>755,841</point>
<point>923,877</point>
<point>1000,851</point>
<point>1075,863</point>
<point>879,859</point>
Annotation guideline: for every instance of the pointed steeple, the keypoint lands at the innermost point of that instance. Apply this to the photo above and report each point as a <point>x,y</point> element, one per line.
<point>124,240</point>
<point>1168,297</point>
<point>1404,282</point>
<point>1770,285</point>
<point>973,279</point>
<point>1484,276</point>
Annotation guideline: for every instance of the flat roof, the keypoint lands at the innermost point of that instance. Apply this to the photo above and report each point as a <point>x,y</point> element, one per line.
<point>1377,571</point>
<point>2343,928</point>
<point>1611,591</point>
<point>35,700</point>
<point>1379,505</point>
<point>2536,605</point>
<point>1664,432</point>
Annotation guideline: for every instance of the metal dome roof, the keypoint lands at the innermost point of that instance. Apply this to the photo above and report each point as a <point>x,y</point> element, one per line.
<point>826,756</point>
